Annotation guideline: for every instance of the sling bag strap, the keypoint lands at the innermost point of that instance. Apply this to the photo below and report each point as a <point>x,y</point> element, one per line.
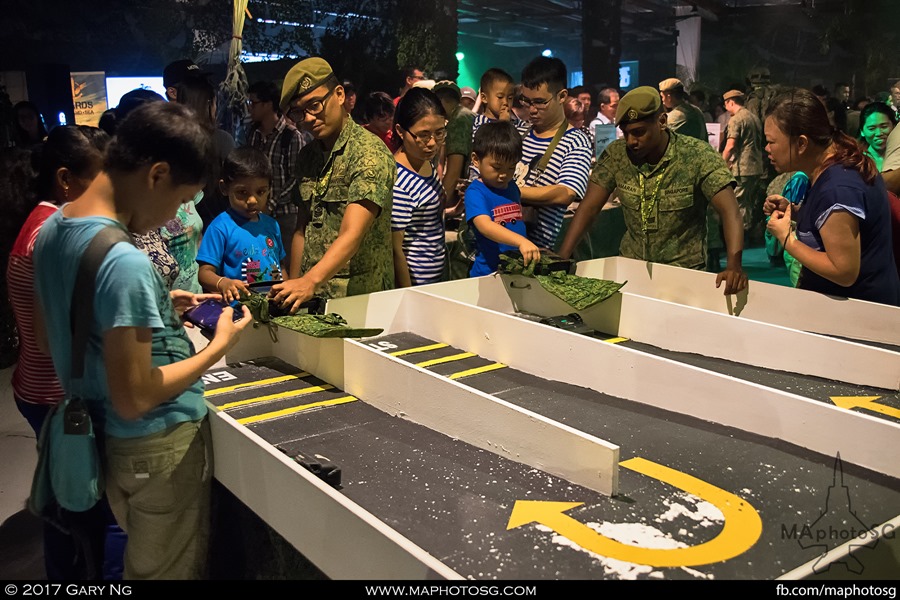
<point>82,307</point>
<point>545,159</point>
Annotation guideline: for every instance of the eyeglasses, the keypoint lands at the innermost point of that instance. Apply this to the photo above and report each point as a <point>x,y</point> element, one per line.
<point>535,103</point>
<point>313,109</point>
<point>423,138</point>
<point>253,102</point>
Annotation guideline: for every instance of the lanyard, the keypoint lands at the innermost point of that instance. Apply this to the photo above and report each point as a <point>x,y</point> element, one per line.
<point>649,205</point>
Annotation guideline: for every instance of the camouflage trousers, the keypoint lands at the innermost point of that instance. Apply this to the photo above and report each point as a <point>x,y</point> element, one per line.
<point>750,193</point>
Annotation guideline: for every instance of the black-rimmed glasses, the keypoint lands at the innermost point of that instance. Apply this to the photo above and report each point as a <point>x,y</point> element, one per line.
<point>313,109</point>
<point>537,103</point>
<point>423,138</point>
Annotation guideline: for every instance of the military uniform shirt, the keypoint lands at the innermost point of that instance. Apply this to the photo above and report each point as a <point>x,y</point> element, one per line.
<point>688,120</point>
<point>746,130</point>
<point>459,132</point>
<point>359,167</point>
<point>677,192</point>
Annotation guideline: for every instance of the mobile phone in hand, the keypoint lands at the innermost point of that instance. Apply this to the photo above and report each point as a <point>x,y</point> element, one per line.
<point>206,314</point>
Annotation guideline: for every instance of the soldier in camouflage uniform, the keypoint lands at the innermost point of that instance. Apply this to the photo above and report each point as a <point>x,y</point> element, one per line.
<point>683,117</point>
<point>458,145</point>
<point>342,246</point>
<point>664,181</point>
<point>744,153</point>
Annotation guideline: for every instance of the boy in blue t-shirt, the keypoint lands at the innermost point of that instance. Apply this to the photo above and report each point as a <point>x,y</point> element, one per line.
<point>242,245</point>
<point>493,208</point>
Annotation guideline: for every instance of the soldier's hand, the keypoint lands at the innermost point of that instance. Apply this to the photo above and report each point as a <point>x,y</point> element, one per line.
<point>290,294</point>
<point>735,280</point>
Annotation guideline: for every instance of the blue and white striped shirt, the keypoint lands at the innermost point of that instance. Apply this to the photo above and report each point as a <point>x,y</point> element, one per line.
<point>569,165</point>
<point>418,211</point>
<point>522,127</point>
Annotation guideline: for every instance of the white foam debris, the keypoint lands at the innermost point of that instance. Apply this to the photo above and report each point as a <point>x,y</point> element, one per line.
<point>705,513</point>
<point>636,534</point>
<point>698,574</point>
<point>633,534</point>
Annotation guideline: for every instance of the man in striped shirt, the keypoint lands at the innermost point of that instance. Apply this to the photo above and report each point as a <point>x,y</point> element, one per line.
<point>556,157</point>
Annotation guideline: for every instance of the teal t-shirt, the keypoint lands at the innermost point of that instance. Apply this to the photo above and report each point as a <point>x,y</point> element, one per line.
<point>128,292</point>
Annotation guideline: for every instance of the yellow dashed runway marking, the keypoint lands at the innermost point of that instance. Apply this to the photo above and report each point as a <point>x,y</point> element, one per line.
<point>271,397</point>
<point>250,384</point>
<point>477,370</point>
<point>445,359</point>
<point>295,409</point>
<point>419,349</point>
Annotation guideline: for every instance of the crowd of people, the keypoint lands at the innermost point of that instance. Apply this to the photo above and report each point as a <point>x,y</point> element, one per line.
<point>326,197</point>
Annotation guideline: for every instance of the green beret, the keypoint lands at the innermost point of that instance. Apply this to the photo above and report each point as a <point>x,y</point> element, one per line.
<point>639,103</point>
<point>304,77</point>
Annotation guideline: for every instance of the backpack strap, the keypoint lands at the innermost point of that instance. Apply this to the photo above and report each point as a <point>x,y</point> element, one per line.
<point>82,306</point>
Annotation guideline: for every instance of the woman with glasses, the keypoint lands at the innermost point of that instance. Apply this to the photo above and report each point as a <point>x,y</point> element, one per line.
<point>417,225</point>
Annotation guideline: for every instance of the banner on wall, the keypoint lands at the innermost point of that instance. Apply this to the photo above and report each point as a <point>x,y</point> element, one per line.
<point>628,75</point>
<point>89,96</point>
<point>604,135</point>
<point>714,131</point>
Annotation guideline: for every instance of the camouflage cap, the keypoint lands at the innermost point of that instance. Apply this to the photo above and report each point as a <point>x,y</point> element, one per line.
<point>639,103</point>
<point>304,77</point>
<point>670,85</point>
<point>759,75</point>
<point>446,84</point>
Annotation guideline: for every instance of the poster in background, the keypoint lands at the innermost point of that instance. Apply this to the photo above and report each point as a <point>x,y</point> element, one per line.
<point>89,96</point>
<point>628,75</point>
<point>116,87</point>
<point>604,135</point>
<point>714,130</point>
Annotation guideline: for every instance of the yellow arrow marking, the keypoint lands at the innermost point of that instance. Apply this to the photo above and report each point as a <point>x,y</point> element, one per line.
<point>295,409</point>
<point>866,402</point>
<point>419,349</point>
<point>741,530</point>
<point>261,382</point>
<point>445,359</point>
<point>477,370</point>
<point>290,394</point>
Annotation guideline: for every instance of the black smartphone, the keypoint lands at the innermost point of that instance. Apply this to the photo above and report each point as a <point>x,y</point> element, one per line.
<point>206,314</point>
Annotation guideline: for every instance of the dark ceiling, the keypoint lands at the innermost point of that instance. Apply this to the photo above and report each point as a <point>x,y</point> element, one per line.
<point>534,23</point>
